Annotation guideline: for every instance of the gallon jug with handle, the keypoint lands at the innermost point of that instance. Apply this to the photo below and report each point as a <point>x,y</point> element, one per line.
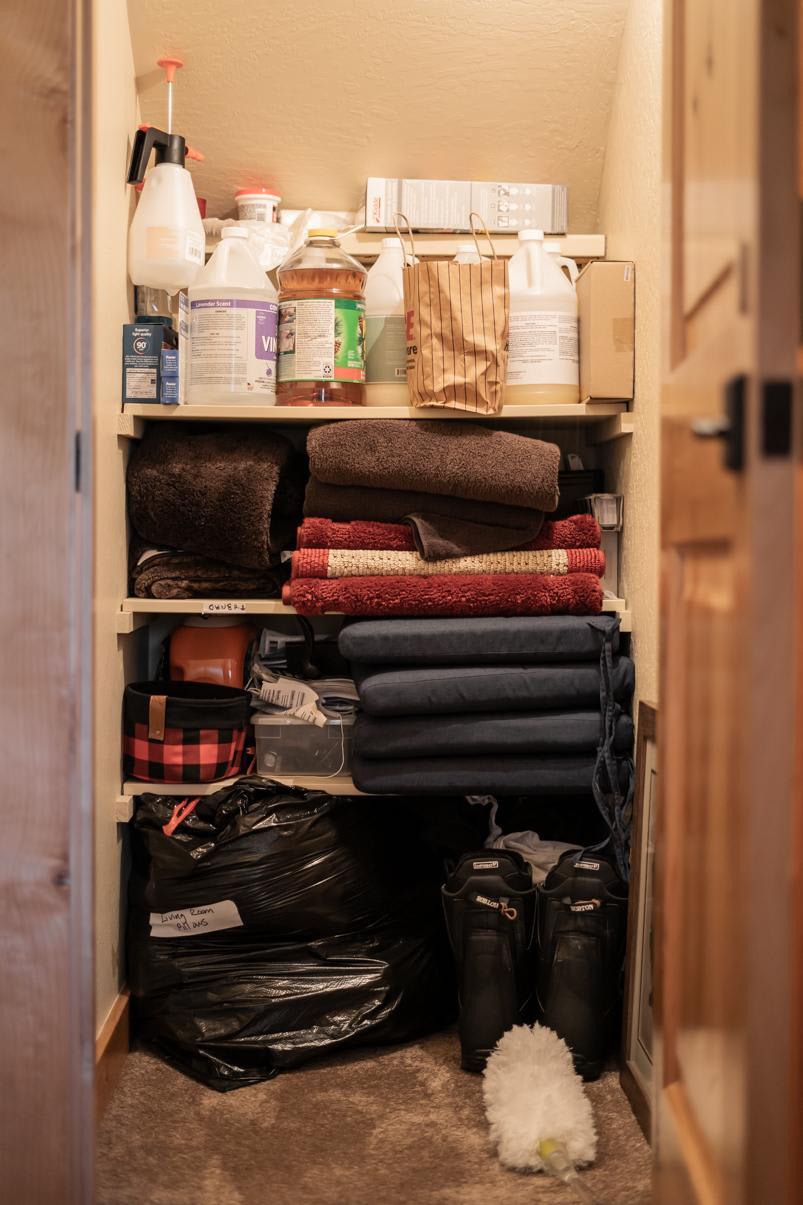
<point>234,317</point>
<point>543,362</point>
<point>385,329</point>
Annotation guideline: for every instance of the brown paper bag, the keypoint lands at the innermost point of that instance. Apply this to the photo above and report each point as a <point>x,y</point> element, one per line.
<point>457,330</point>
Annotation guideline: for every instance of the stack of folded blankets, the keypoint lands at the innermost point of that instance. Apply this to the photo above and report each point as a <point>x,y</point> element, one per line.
<point>499,706</point>
<point>439,518</point>
<point>211,510</point>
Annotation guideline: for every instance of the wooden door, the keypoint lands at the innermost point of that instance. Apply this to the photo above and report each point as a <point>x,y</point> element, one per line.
<point>725,1097</point>
<point>46,924</point>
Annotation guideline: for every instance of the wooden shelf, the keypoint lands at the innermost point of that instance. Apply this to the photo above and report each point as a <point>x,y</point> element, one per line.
<point>130,421</point>
<point>134,612</point>
<point>367,245</point>
<point>124,803</point>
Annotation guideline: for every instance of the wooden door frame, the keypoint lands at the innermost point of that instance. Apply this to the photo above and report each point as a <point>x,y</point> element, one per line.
<point>47,1038</point>
<point>769,289</point>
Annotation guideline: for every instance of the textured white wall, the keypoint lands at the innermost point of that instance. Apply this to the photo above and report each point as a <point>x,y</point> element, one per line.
<point>630,215</point>
<point>318,96</point>
<point>115,117</point>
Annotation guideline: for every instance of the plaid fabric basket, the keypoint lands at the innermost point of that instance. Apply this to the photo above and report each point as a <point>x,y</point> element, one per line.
<point>183,731</point>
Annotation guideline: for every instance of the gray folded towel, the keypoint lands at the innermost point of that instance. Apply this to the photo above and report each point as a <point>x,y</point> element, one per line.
<point>459,459</point>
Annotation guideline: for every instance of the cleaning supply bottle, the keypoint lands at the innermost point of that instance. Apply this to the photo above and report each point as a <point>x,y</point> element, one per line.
<point>552,247</point>
<point>234,316</point>
<point>321,325</point>
<point>385,329</point>
<point>467,253</point>
<point>543,362</point>
<point>166,239</point>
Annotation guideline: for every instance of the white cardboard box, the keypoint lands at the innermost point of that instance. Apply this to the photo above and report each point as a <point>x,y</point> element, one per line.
<point>446,204</point>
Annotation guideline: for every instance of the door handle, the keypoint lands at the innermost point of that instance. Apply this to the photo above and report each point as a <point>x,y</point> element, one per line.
<point>730,426</point>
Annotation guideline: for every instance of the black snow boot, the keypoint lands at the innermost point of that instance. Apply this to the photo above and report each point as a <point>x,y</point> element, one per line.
<point>489,902</point>
<point>582,920</point>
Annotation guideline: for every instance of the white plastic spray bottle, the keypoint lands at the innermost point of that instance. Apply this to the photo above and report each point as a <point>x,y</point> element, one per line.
<point>166,240</point>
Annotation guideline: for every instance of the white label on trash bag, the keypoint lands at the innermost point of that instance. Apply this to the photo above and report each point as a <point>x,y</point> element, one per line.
<point>188,922</point>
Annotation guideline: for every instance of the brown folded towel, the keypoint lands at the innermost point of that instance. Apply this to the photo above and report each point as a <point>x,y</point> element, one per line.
<point>461,459</point>
<point>231,493</point>
<point>166,573</point>
<point>442,526</point>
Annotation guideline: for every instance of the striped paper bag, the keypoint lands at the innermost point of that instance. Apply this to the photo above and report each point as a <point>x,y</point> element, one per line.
<point>457,331</point>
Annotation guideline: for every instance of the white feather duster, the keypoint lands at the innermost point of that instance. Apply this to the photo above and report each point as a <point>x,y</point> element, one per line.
<point>539,1114</point>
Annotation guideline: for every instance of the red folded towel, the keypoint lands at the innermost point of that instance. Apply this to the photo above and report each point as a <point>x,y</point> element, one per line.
<point>578,531</point>
<point>484,594</point>
<point>384,562</point>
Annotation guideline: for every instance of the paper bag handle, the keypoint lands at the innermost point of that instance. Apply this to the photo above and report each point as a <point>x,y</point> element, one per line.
<point>484,230</point>
<point>403,219</point>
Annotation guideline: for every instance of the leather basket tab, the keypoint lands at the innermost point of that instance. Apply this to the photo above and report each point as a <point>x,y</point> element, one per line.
<point>156,717</point>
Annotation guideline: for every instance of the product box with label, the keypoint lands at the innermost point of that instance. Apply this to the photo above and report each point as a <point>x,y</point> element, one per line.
<point>446,204</point>
<point>150,361</point>
<point>606,296</point>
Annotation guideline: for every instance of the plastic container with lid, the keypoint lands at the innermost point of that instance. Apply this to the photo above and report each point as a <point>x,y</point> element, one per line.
<point>287,745</point>
<point>543,361</point>
<point>257,204</point>
<point>467,253</point>
<point>385,329</point>
<point>234,316</point>
<point>321,325</point>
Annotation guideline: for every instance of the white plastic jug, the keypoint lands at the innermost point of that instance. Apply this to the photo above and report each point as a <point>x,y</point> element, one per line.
<point>543,361</point>
<point>467,253</point>
<point>385,331</point>
<point>234,318</point>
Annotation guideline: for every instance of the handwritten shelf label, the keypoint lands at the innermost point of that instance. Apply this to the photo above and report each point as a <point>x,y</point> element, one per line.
<point>223,606</point>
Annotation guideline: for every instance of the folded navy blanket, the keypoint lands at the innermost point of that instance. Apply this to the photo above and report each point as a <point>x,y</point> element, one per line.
<point>488,688</point>
<point>509,733</point>
<point>557,776</point>
<point>493,640</point>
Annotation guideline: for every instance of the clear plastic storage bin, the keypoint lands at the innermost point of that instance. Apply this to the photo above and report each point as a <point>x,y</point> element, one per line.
<point>287,745</point>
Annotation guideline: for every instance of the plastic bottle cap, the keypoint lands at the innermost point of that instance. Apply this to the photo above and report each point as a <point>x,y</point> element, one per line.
<point>322,232</point>
<point>531,236</point>
<point>391,244</point>
<point>233,232</point>
<point>257,192</point>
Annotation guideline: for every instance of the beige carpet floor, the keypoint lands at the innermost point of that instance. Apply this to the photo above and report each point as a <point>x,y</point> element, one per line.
<point>400,1126</point>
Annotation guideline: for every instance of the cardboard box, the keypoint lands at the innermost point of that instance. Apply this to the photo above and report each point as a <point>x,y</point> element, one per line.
<point>145,370</point>
<point>606,296</point>
<point>445,205</point>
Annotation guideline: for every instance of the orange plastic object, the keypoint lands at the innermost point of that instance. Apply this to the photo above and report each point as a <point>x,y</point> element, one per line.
<point>211,650</point>
<point>170,67</point>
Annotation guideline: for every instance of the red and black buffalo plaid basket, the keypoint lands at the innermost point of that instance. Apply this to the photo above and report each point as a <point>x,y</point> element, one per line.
<point>183,731</point>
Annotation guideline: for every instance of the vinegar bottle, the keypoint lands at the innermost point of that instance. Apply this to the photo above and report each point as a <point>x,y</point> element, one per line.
<point>321,360</point>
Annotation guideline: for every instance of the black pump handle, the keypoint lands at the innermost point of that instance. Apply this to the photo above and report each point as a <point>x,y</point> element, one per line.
<point>144,142</point>
<point>170,148</point>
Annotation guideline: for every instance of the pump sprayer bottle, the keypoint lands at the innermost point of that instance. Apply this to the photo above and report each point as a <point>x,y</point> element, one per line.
<point>166,240</point>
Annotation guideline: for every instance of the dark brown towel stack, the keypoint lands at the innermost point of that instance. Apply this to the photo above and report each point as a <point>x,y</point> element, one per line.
<point>232,493</point>
<point>464,489</point>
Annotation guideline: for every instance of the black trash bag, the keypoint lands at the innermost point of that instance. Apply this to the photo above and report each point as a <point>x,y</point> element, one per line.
<point>275,924</point>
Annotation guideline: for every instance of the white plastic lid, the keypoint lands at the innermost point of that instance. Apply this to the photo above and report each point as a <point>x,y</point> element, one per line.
<point>391,244</point>
<point>531,236</point>
<point>233,232</point>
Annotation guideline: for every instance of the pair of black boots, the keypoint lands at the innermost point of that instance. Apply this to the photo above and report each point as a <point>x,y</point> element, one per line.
<point>551,953</point>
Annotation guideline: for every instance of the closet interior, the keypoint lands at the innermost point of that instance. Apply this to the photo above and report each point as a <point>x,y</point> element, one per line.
<point>421,658</point>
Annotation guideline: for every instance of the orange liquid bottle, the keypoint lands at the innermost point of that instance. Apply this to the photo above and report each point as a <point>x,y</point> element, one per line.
<point>321,356</point>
